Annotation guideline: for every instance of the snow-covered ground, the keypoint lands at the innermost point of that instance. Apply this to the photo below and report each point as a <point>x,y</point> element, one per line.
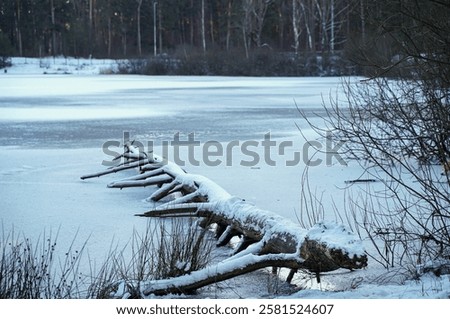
<point>56,114</point>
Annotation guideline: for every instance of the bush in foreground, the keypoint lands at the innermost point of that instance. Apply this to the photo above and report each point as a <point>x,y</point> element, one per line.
<point>35,270</point>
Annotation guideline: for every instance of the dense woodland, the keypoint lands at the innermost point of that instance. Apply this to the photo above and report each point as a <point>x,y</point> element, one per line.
<point>323,29</point>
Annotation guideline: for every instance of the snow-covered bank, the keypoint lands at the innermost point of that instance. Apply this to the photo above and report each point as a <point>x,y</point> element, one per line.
<point>61,65</point>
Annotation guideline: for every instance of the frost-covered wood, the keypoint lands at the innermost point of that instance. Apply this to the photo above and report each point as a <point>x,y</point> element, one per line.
<point>266,239</point>
<point>222,271</point>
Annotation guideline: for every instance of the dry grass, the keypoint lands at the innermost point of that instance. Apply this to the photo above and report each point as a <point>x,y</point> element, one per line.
<point>34,269</point>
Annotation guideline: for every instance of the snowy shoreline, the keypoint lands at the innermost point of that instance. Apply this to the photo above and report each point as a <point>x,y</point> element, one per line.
<point>52,127</point>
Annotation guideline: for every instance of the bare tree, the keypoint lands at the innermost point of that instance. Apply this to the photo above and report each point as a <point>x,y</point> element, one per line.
<point>254,14</point>
<point>247,25</point>
<point>330,15</point>
<point>307,7</point>
<point>397,124</point>
<point>296,23</point>
<point>260,10</point>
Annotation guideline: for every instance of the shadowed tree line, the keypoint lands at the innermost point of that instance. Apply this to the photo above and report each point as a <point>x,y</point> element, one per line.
<point>324,33</point>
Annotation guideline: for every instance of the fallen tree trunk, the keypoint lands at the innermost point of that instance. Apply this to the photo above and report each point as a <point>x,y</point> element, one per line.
<point>266,239</point>
<point>216,273</point>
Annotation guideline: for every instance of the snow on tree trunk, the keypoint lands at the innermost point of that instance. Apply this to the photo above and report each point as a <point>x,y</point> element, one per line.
<point>266,239</point>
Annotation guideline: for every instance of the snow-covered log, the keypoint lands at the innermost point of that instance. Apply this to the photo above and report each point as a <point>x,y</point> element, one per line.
<point>132,159</point>
<point>266,239</point>
<point>222,271</point>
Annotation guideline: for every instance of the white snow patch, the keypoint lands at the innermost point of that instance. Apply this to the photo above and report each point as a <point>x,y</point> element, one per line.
<point>337,236</point>
<point>428,286</point>
<point>61,65</point>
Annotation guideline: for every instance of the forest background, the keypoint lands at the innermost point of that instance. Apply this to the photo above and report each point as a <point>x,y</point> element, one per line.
<point>211,37</point>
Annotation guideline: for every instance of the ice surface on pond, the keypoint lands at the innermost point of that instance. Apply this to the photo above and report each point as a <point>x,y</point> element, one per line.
<point>52,128</point>
<point>68,111</point>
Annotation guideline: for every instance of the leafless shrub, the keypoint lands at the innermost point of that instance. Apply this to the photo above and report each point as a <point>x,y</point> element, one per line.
<point>398,130</point>
<point>397,126</point>
<point>31,270</point>
<point>311,208</point>
<point>169,248</point>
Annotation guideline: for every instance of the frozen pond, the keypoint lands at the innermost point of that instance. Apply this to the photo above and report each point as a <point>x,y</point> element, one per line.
<point>52,128</point>
<point>84,111</point>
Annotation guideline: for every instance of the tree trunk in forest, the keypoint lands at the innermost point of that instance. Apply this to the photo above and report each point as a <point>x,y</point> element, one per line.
<point>91,26</point>
<point>322,11</point>
<point>203,27</point>
<point>109,37</point>
<point>190,23</point>
<point>138,13</point>
<point>363,21</point>
<point>211,28</point>
<point>246,26</point>
<point>229,14</point>
<point>312,27</point>
<point>296,24</point>
<point>52,14</point>
<point>332,27</point>
<point>124,35</point>
<point>160,29</point>
<point>19,28</point>
<point>259,12</point>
